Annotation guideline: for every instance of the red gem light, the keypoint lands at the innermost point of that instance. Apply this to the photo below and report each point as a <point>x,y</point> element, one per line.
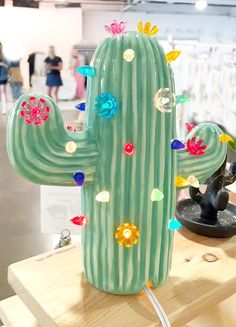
<point>189,126</point>
<point>129,149</point>
<point>79,220</point>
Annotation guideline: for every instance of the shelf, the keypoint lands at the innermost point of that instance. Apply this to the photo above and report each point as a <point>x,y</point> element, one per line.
<point>54,289</point>
<point>221,315</point>
<point>14,313</point>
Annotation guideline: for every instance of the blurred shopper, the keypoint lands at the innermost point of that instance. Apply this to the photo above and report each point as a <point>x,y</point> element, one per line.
<point>31,62</point>
<point>74,64</point>
<point>15,79</point>
<point>53,66</point>
<point>3,80</point>
<point>35,65</point>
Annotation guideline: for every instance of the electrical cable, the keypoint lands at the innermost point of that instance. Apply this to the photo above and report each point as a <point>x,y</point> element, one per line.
<point>157,307</point>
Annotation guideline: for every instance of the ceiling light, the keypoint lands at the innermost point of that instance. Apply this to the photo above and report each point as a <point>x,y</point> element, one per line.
<point>201,4</point>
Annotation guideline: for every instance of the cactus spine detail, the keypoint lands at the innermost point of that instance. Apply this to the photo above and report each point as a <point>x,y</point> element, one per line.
<point>38,153</point>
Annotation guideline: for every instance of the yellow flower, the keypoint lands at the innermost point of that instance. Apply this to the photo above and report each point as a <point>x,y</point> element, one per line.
<point>172,56</point>
<point>224,138</point>
<point>127,235</point>
<point>147,28</point>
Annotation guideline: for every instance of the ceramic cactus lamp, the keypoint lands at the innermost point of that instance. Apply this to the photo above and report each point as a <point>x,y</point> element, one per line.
<point>126,160</point>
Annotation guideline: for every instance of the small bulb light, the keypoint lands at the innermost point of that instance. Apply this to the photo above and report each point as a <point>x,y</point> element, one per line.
<point>157,195</point>
<point>181,181</point>
<point>128,55</point>
<point>174,225</point>
<point>189,126</point>
<point>181,99</point>
<point>177,145</point>
<point>79,220</point>
<point>127,233</point>
<point>172,56</point>
<point>225,138</point>
<point>86,71</point>
<point>69,128</point>
<point>129,149</point>
<point>81,106</point>
<point>79,177</point>
<point>193,181</point>
<point>103,196</point>
<point>71,147</point>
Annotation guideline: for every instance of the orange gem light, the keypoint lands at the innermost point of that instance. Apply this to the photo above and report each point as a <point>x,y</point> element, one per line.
<point>127,235</point>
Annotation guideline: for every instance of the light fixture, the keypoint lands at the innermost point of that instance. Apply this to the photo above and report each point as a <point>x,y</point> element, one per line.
<point>201,4</point>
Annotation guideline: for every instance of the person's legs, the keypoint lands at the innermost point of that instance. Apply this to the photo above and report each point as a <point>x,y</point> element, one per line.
<point>49,91</point>
<point>18,90</point>
<point>14,93</point>
<point>55,90</point>
<point>3,98</point>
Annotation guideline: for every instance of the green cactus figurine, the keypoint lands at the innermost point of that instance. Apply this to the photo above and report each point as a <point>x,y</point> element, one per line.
<point>125,157</point>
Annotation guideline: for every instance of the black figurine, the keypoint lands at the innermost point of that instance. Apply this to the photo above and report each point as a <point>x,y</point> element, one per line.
<point>210,213</point>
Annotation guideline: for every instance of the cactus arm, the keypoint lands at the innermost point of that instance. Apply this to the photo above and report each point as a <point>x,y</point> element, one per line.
<point>220,201</point>
<point>230,176</point>
<point>218,198</point>
<point>195,194</point>
<point>215,198</point>
<point>205,165</point>
<point>38,152</point>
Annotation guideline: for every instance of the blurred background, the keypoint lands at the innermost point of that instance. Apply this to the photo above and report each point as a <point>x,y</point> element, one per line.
<point>205,31</point>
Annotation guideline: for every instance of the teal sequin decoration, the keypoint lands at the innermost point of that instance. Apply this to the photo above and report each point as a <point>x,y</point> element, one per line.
<point>174,225</point>
<point>106,105</point>
<point>180,99</point>
<point>86,71</point>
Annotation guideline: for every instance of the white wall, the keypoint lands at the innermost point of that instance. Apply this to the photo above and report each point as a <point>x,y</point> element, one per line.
<point>35,29</point>
<point>199,27</point>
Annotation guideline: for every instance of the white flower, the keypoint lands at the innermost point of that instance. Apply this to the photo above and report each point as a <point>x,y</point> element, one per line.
<point>164,100</point>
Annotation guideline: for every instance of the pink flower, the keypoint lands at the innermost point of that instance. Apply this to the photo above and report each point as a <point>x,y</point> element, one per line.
<point>195,147</point>
<point>34,111</point>
<point>116,28</point>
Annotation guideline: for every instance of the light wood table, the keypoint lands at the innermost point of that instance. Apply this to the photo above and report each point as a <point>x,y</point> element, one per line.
<point>55,291</point>
<point>14,313</point>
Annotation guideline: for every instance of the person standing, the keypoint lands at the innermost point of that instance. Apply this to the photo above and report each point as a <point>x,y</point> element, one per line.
<point>3,80</point>
<point>31,61</point>
<point>16,79</point>
<point>74,64</point>
<point>53,66</point>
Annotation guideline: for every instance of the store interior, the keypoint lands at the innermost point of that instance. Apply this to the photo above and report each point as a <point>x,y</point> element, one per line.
<point>205,72</point>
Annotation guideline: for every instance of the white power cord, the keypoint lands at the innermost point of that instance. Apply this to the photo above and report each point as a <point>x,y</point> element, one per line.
<point>157,307</point>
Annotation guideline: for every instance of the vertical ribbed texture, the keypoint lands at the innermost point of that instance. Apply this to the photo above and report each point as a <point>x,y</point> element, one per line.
<point>130,180</point>
<point>38,153</point>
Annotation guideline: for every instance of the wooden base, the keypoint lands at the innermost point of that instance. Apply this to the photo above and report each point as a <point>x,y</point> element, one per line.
<point>14,313</point>
<point>54,289</point>
<point>222,315</point>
